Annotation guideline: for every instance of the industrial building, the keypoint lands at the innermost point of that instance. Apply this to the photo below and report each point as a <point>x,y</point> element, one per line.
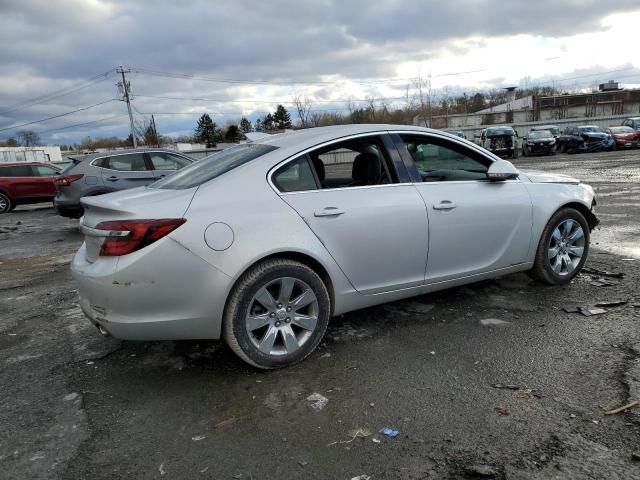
<point>30,154</point>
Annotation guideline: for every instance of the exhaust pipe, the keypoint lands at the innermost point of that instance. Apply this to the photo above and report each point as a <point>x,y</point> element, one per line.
<point>103,331</point>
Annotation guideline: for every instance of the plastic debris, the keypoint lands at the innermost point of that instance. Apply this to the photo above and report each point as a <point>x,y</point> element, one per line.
<point>622,408</point>
<point>494,322</point>
<point>587,311</point>
<point>389,432</point>
<point>161,469</point>
<point>197,438</point>
<point>375,440</point>
<point>603,282</point>
<point>614,303</point>
<point>481,471</point>
<point>317,401</point>
<point>361,477</point>
<point>507,386</point>
<point>602,273</point>
<point>358,432</point>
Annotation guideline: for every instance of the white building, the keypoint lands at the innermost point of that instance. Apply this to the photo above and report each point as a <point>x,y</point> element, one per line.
<point>30,154</point>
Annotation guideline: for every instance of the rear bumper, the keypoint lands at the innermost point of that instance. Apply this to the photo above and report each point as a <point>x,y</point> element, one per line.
<point>162,292</point>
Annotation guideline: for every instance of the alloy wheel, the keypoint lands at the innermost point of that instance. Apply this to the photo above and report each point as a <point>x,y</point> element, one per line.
<point>566,247</point>
<point>282,316</point>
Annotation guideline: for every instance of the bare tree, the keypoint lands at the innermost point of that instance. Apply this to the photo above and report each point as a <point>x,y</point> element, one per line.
<point>423,88</point>
<point>303,108</point>
<point>28,138</point>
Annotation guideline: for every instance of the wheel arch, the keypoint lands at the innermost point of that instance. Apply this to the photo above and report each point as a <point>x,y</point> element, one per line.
<point>583,209</point>
<point>301,257</point>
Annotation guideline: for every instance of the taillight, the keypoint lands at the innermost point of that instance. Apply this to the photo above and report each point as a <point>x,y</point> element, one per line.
<point>131,235</point>
<point>67,180</point>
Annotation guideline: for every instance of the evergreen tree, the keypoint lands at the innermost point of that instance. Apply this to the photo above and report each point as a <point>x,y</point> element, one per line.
<point>245,125</point>
<point>258,125</point>
<point>281,118</point>
<point>268,123</point>
<point>233,134</point>
<point>205,131</point>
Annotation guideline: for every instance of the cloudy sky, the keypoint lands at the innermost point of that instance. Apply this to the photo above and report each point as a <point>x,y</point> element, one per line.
<point>240,58</point>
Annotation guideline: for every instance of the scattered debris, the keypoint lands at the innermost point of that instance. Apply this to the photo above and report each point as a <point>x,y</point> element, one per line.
<point>622,408</point>
<point>375,440</point>
<point>204,469</point>
<point>361,477</point>
<point>359,432</point>
<point>481,471</point>
<point>71,396</point>
<point>636,456</point>
<point>318,402</point>
<point>197,438</point>
<point>596,422</point>
<point>602,273</point>
<point>389,432</point>
<point>502,410</point>
<point>527,393</point>
<point>372,404</point>
<point>226,422</point>
<point>507,386</point>
<point>494,322</point>
<point>614,303</point>
<point>573,415</point>
<point>432,353</point>
<point>161,469</point>
<point>303,464</point>
<point>603,282</point>
<point>587,311</point>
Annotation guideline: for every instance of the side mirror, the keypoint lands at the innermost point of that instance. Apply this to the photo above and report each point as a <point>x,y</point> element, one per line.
<point>501,170</point>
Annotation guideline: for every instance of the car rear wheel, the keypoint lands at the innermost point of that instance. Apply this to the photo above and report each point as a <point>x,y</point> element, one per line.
<point>6,204</point>
<point>563,248</point>
<point>277,314</point>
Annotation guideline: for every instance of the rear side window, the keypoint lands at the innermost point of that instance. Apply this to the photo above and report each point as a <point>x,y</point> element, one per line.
<point>295,176</point>
<point>213,166</point>
<point>167,161</point>
<point>124,163</point>
<point>16,171</point>
<point>44,171</point>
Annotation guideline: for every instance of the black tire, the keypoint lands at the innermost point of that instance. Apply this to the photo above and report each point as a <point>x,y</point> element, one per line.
<point>524,152</point>
<point>515,153</point>
<point>542,270</point>
<point>562,148</point>
<point>6,204</point>
<point>234,326</point>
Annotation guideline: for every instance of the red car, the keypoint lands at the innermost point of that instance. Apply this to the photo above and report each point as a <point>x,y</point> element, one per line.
<point>625,137</point>
<point>26,182</point>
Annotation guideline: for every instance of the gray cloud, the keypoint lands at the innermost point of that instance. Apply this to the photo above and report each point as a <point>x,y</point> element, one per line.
<point>52,44</point>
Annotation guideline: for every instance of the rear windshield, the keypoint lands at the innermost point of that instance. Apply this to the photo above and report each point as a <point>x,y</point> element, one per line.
<point>213,166</point>
<point>495,132</point>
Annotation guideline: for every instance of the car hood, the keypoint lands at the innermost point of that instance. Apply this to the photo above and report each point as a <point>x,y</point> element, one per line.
<point>543,177</point>
<point>598,135</point>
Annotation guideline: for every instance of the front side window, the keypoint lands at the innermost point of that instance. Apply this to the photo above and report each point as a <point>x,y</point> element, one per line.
<point>167,161</point>
<point>213,166</point>
<point>437,162</point>
<point>295,176</point>
<point>16,171</point>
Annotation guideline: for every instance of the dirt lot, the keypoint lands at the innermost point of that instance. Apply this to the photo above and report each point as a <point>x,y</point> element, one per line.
<point>75,405</point>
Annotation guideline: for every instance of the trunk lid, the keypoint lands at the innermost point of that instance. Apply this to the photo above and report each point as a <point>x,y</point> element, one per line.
<point>136,203</point>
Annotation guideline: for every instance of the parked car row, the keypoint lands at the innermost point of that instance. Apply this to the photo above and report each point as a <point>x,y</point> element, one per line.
<point>86,176</point>
<point>547,139</point>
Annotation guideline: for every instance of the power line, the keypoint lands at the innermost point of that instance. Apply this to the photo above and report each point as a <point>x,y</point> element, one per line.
<point>283,102</point>
<point>82,124</point>
<point>58,93</point>
<point>57,116</point>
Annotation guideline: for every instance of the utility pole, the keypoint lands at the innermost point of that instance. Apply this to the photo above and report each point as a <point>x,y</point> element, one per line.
<point>124,87</point>
<point>155,132</point>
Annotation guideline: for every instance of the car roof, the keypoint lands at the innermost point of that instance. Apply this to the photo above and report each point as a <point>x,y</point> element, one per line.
<point>544,127</point>
<point>92,156</point>
<point>317,135</point>
<point>17,164</point>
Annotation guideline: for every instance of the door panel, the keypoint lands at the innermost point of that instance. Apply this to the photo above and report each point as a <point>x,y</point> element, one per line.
<point>121,172</point>
<point>475,227</point>
<point>377,235</point>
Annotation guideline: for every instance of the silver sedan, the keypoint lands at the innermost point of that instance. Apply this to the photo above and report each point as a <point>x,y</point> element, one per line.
<point>262,243</point>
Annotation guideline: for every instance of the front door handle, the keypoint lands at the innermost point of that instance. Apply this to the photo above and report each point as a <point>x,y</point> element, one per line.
<point>444,205</point>
<point>328,212</point>
<point>112,179</point>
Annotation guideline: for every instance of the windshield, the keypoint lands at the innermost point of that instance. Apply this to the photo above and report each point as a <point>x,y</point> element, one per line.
<point>589,129</point>
<point>553,130</point>
<point>494,132</point>
<point>622,130</point>
<point>540,134</point>
<point>213,166</point>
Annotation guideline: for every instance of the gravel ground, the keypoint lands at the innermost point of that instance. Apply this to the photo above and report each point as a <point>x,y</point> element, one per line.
<point>76,405</point>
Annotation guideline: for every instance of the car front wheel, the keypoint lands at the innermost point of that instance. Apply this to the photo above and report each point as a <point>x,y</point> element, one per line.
<point>277,314</point>
<point>563,248</point>
<point>6,205</point>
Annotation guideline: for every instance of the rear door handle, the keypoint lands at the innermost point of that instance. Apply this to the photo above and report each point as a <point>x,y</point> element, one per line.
<point>444,205</point>
<point>112,179</point>
<point>328,212</point>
